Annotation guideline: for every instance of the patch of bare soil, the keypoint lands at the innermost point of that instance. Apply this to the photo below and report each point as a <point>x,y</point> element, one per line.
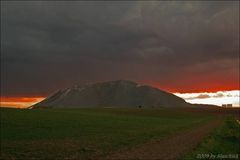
<point>169,148</point>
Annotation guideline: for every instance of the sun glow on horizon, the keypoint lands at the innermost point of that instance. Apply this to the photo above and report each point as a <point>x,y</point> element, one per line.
<point>19,102</point>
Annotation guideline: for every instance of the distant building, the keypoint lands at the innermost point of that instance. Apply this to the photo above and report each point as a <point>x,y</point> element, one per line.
<point>227,105</point>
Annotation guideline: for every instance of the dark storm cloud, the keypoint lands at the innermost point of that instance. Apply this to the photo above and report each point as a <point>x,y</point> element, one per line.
<point>50,45</point>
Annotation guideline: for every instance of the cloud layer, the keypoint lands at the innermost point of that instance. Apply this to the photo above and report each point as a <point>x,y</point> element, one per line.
<point>177,46</point>
<point>215,98</point>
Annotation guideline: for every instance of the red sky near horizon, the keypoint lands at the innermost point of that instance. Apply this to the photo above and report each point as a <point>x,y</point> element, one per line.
<point>205,86</point>
<point>19,102</point>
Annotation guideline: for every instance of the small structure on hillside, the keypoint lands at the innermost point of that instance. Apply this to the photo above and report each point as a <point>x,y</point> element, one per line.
<point>227,105</point>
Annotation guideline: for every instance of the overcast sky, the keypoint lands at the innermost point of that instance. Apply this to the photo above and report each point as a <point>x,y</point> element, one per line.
<point>177,46</point>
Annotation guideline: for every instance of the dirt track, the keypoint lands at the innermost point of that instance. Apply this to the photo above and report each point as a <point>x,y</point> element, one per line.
<point>172,147</point>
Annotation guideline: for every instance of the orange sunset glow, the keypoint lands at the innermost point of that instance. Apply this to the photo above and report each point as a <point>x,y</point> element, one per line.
<point>19,102</point>
<point>200,88</point>
<point>197,84</point>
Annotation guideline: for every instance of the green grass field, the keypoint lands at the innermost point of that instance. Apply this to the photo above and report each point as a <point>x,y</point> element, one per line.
<point>83,133</point>
<point>223,143</point>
